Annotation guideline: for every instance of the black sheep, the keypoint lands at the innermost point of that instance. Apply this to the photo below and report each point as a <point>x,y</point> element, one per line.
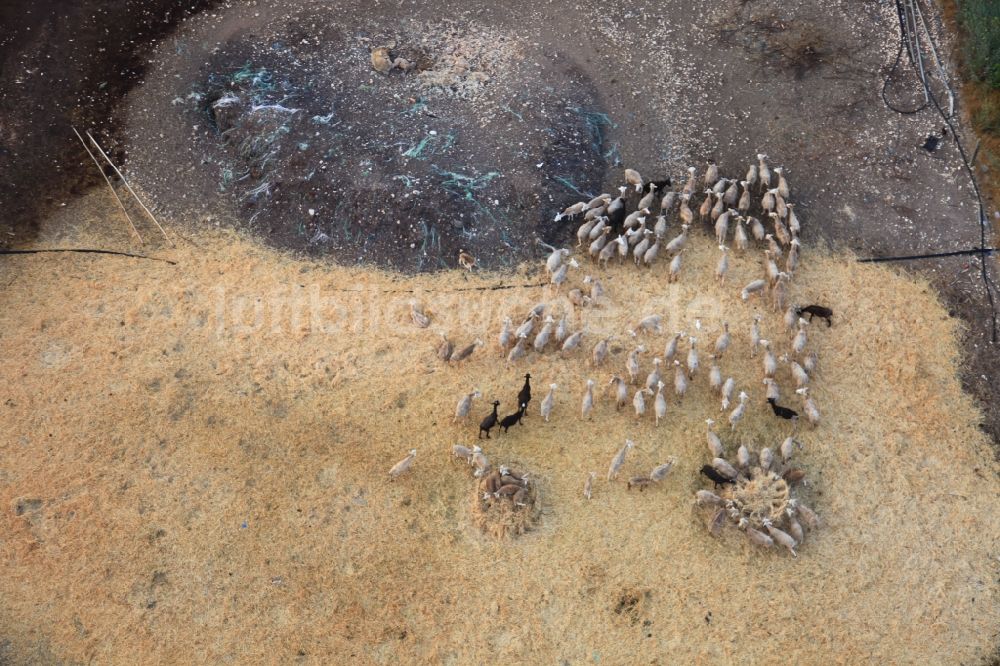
<point>524,397</point>
<point>714,476</point>
<point>817,311</point>
<point>487,424</point>
<point>511,419</point>
<point>783,412</point>
<point>661,185</point>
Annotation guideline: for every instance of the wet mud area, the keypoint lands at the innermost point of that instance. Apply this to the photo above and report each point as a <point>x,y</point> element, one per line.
<point>290,131</point>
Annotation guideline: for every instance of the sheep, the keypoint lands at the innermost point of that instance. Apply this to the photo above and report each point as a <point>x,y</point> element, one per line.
<point>445,348</point>
<point>767,202</point>
<point>588,485</point>
<point>787,449</point>
<point>791,317</point>
<point>736,415</point>
<point>744,203</point>
<point>599,200</point>
<point>556,259</point>
<point>799,343</point>
<point>751,177</point>
<point>711,174</point>
<point>810,363</point>
<point>572,342</point>
<point>727,392</point>
<point>756,536</point>
<point>637,218</point>
<point>462,453</point>
<point>753,287</point>
<point>795,529</point>
<point>524,330</point>
<point>793,475</point>
<point>465,404</point>
<point>732,193</point>
<point>722,342</point>
<point>460,355</point>
<point>621,391</point>
<point>715,477</point>
<point>809,407</point>
<point>583,232</point>
<point>571,211</point>
<point>654,376</point>
<point>561,274</point>
<point>588,400</point>
<point>418,316</point>
<point>619,460</point>
<point>772,392</point>
<point>562,329</point>
<point>780,231</point>
<point>692,357</point>
<point>754,335</point>
<point>403,465</point>
<point>717,209</point>
<point>722,266</point>
<point>743,457</point>
<point>722,227</point>
<point>765,173</point>
<point>799,374</point>
<point>779,292</point>
<point>706,206</point>
<point>691,181</point>
<point>792,261</point>
<point>678,242</point>
<point>649,324</point>
<point>703,497</point>
<point>807,515</point>
<point>544,335</point>
<point>722,466</point>
<point>818,311</point>
<point>714,374</point>
<point>660,404</point>
<point>506,334</point>
<point>480,462</point>
<point>782,183</point>
<point>781,537</point>
<point>661,471</point>
<point>524,395</point>
<point>770,363</point>
<point>680,380</point>
<point>714,443</point>
<point>512,419</point>
<point>794,225</point>
<point>770,267</point>
<point>667,202</point>
<point>740,239</point>
<point>632,364</point>
<point>675,267</point>
<point>600,352</point>
<point>766,459</point>
<point>548,401</point>
<point>660,228</point>
<point>640,482</point>
<point>647,200</point>
<point>684,211</point>
<point>487,423</point>
<point>632,177</point>
<point>779,205</point>
<point>671,349</point>
<point>607,252</point>
<point>597,228</point>
<point>518,351</point>
<point>639,401</point>
<point>650,255</point>
<point>598,244</point>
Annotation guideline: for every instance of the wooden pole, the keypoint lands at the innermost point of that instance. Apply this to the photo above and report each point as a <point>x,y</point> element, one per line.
<point>112,187</point>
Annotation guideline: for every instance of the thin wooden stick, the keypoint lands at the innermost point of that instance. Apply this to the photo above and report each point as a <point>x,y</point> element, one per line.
<point>129,188</point>
<point>112,187</point>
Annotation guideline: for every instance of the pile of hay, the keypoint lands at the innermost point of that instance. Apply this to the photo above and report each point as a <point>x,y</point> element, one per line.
<point>207,445</point>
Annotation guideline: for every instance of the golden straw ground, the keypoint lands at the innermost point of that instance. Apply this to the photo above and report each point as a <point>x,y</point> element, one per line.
<point>210,487</point>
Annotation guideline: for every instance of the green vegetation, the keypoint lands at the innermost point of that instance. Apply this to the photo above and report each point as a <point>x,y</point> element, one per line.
<point>981,21</point>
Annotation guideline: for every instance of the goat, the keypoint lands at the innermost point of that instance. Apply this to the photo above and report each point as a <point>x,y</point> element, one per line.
<point>524,396</point>
<point>817,311</point>
<point>783,412</point>
<point>487,424</point>
<point>512,419</point>
<point>715,477</point>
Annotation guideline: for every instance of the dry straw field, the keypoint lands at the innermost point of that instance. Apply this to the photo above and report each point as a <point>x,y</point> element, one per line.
<point>194,464</point>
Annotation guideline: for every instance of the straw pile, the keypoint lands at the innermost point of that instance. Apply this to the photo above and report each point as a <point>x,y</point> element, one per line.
<point>195,469</point>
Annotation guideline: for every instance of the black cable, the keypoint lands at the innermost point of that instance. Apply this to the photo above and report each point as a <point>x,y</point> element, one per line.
<point>983,251</point>
<point>899,54</point>
<point>89,251</point>
<point>957,253</point>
